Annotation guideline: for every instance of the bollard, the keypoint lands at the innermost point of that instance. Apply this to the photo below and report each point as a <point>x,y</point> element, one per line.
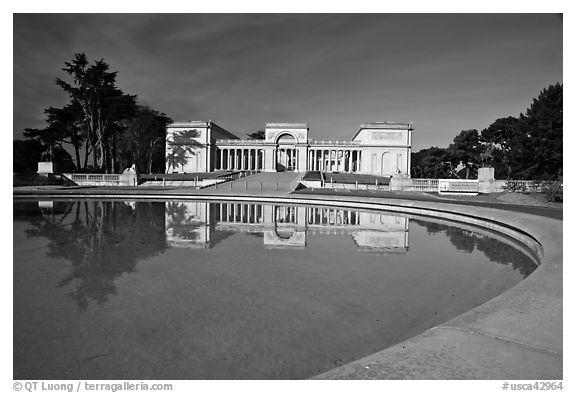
<point>230,185</point>
<point>356,185</point>
<point>164,182</point>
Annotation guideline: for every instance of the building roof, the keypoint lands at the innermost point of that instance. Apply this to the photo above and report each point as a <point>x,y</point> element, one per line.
<point>195,123</point>
<point>384,125</point>
<point>287,125</point>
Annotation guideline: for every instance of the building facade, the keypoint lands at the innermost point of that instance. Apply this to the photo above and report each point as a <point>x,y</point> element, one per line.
<point>378,148</point>
<point>202,224</point>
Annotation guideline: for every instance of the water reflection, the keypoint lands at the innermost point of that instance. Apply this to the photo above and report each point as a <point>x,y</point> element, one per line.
<point>494,249</point>
<point>200,224</point>
<point>102,240</point>
<point>105,239</point>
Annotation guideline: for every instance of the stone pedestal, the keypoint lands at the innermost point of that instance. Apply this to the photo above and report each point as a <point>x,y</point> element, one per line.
<point>400,182</point>
<point>46,168</point>
<point>486,181</point>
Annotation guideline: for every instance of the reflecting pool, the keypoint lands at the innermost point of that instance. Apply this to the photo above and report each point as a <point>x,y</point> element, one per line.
<point>196,290</point>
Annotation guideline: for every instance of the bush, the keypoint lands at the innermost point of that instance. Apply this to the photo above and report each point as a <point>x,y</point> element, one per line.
<point>515,186</point>
<point>553,191</point>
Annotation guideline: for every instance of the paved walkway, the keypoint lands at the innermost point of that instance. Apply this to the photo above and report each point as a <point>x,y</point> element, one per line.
<point>551,212</point>
<point>275,184</point>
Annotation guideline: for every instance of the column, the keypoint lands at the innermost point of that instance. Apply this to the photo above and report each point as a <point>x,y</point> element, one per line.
<point>313,167</point>
<point>349,159</point>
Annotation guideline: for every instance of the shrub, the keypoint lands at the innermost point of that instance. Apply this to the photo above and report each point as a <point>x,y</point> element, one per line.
<point>515,186</point>
<point>553,191</point>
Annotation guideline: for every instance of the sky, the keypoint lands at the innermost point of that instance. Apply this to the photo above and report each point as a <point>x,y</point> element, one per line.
<point>443,72</point>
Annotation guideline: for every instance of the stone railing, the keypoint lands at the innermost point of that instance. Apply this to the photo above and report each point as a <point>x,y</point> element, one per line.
<point>398,183</point>
<point>331,143</point>
<point>254,142</point>
<point>100,179</point>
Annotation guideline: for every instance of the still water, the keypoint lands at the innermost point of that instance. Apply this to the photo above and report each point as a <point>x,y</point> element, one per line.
<point>195,290</point>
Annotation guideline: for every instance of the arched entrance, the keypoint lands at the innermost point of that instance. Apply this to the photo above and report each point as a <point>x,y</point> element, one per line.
<point>286,153</point>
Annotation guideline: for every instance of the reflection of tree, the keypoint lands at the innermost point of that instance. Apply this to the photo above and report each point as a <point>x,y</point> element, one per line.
<point>182,223</point>
<point>503,253</point>
<point>181,146</point>
<point>103,240</point>
<point>493,249</point>
<point>463,240</point>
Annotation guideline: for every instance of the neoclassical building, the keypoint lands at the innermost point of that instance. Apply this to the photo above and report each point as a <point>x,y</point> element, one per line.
<point>202,225</point>
<point>378,148</point>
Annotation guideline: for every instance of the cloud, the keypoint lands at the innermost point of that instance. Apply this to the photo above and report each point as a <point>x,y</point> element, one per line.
<point>332,71</point>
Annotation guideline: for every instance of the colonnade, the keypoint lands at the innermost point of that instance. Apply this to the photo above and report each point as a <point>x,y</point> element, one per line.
<point>334,160</point>
<point>239,159</point>
<point>254,214</point>
<point>240,213</point>
<point>324,216</point>
<point>287,157</point>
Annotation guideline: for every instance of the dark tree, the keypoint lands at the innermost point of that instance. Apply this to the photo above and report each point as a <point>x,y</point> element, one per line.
<point>143,141</point>
<point>502,135</point>
<point>530,147</point>
<point>103,105</point>
<point>539,147</point>
<point>65,127</point>
<point>26,155</point>
<point>261,134</point>
<point>465,150</point>
<point>433,163</point>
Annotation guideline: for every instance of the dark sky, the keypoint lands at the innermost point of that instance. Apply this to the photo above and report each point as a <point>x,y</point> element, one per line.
<point>444,72</point>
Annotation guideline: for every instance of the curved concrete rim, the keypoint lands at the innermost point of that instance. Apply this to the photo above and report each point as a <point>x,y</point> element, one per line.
<point>516,335</point>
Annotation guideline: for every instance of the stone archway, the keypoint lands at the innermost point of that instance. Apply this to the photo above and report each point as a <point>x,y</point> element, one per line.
<point>286,153</point>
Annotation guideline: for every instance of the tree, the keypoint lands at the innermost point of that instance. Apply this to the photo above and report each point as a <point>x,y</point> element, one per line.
<point>502,135</point>
<point>143,140</point>
<point>539,147</point>
<point>103,105</point>
<point>465,150</point>
<point>260,134</point>
<point>65,126</point>
<point>26,155</point>
<point>432,163</point>
<point>530,147</point>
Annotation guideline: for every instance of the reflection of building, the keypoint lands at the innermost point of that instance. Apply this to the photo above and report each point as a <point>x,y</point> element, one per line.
<point>200,224</point>
<point>379,148</point>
